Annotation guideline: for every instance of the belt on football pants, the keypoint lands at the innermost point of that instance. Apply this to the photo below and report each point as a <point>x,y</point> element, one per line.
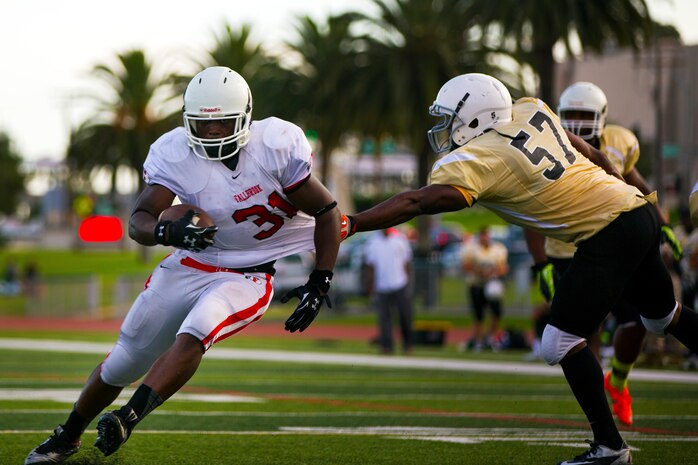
<point>267,268</point>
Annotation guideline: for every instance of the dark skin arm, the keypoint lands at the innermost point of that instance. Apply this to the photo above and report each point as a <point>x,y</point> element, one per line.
<point>634,178</point>
<point>309,198</point>
<point>535,242</point>
<point>596,156</point>
<point>150,203</point>
<point>404,206</point>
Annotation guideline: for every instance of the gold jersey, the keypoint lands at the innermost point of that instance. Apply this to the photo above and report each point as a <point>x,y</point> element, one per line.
<point>527,172</point>
<point>485,261</point>
<point>623,150</point>
<point>693,205</point>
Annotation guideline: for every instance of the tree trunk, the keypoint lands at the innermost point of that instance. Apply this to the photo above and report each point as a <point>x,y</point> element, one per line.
<point>545,65</point>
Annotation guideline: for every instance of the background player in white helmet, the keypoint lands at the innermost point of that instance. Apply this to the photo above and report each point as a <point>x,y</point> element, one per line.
<point>518,161</point>
<point>254,179</point>
<point>583,111</point>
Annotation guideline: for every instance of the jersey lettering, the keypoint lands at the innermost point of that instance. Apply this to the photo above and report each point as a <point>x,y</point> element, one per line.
<point>519,142</point>
<point>264,215</point>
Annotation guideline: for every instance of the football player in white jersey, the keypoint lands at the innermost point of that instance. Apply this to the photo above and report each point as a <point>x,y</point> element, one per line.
<point>582,110</point>
<point>518,161</point>
<point>254,179</point>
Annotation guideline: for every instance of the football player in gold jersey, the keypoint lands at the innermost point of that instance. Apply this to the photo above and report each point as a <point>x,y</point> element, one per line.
<point>693,204</point>
<point>518,161</point>
<point>582,110</point>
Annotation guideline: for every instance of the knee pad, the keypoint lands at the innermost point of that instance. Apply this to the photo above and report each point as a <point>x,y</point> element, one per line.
<point>121,368</point>
<point>659,325</point>
<point>556,343</point>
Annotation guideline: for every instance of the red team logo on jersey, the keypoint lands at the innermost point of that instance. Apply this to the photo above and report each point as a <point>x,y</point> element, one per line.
<point>247,193</point>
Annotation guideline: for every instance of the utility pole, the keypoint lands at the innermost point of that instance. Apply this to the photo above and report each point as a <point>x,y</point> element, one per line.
<point>658,162</point>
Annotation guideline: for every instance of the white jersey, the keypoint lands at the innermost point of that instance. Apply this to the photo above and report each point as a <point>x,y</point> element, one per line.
<point>256,221</point>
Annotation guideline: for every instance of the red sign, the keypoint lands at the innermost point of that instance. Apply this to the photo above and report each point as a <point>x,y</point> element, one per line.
<point>101,229</point>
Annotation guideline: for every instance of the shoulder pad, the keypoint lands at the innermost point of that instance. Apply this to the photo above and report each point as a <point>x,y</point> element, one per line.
<point>278,134</point>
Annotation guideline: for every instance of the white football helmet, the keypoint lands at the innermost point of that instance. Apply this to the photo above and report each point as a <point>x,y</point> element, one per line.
<point>218,93</point>
<point>582,110</point>
<point>468,104</point>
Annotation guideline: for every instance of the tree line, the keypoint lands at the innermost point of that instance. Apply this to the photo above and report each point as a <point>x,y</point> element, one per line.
<point>355,75</point>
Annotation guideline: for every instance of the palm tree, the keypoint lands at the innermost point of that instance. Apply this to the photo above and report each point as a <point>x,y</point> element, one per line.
<point>413,47</point>
<point>323,82</point>
<point>236,49</point>
<point>126,122</point>
<point>11,178</point>
<point>533,28</point>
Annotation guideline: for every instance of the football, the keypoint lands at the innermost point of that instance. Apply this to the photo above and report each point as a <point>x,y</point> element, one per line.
<point>176,212</point>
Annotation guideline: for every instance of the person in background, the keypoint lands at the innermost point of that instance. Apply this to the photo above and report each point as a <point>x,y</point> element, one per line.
<point>30,279</point>
<point>693,205</point>
<point>388,260</point>
<point>485,264</point>
<point>10,284</point>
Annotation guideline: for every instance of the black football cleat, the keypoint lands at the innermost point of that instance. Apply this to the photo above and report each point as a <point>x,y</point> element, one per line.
<point>114,428</point>
<point>56,449</point>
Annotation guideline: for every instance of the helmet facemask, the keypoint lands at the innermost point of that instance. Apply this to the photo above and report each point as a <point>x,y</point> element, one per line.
<point>440,135</point>
<point>582,110</point>
<point>217,94</point>
<point>218,148</point>
<point>588,128</point>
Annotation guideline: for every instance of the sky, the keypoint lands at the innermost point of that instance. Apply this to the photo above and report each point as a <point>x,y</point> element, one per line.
<point>48,49</point>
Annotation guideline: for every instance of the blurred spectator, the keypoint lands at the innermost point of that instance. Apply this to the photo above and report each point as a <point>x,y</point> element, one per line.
<point>485,263</point>
<point>10,284</point>
<point>388,259</point>
<point>31,280</point>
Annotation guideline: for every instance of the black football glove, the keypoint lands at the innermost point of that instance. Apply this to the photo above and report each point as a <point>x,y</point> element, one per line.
<point>312,294</point>
<point>547,279</point>
<point>669,237</point>
<point>184,234</point>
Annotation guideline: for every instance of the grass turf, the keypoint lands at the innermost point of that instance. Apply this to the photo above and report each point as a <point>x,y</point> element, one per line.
<point>306,413</point>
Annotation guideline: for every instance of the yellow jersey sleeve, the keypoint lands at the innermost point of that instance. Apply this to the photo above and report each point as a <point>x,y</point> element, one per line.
<point>693,205</point>
<point>558,249</point>
<point>621,147</point>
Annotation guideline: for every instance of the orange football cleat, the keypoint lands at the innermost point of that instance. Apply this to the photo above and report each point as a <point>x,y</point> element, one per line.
<point>622,402</point>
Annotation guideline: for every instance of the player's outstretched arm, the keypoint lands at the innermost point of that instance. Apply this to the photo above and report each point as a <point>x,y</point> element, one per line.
<point>596,156</point>
<point>429,200</point>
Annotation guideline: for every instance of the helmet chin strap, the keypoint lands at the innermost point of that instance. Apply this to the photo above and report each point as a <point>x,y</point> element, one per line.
<point>232,162</point>
<point>595,142</point>
<point>227,149</point>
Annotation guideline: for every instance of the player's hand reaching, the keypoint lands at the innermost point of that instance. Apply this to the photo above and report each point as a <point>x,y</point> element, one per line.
<point>547,278</point>
<point>184,234</point>
<point>669,237</point>
<point>312,294</point>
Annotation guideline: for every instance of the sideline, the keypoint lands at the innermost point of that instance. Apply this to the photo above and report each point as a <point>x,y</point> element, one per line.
<point>424,363</point>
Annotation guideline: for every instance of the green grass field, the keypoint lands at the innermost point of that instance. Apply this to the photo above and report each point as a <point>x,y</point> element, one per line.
<point>247,407</point>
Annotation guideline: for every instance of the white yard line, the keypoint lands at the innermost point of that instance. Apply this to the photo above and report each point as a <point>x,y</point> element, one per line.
<point>424,363</point>
<point>564,438</point>
<point>69,395</point>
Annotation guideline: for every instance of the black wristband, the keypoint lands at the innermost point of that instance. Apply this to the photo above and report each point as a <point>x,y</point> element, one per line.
<point>161,232</point>
<point>538,266</point>
<point>325,209</point>
<point>321,279</point>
